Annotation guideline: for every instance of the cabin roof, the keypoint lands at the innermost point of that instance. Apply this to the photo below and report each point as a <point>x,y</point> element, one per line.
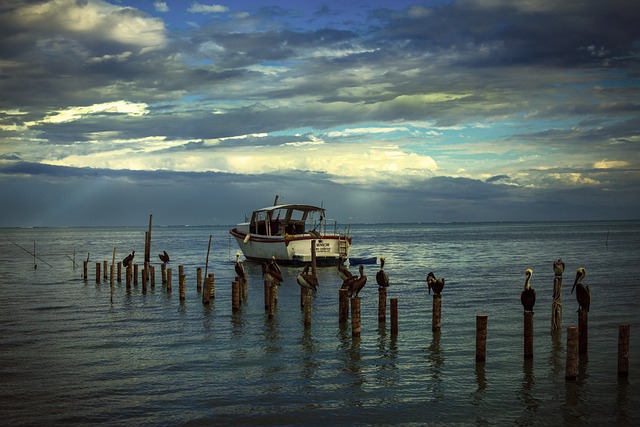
<point>306,208</point>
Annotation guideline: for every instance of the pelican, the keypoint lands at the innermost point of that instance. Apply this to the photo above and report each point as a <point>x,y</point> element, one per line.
<point>128,259</point>
<point>307,280</point>
<point>357,285</point>
<point>271,272</point>
<point>164,257</point>
<point>558,267</point>
<point>381,276</point>
<point>583,293</point>
<point>436,284</point>
<point>240,268</point>
<point>274,269</point>
<point>528,295</point>
<point>343,271</point>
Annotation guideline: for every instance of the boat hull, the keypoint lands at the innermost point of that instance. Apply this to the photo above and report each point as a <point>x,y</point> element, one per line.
<point>293,250</point>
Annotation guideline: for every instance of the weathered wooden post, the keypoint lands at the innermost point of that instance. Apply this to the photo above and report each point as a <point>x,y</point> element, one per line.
<point>437,313</point>
<point>182,279</point>
<point>267,295</point>
<point>528,334</point>
<point>481,337</point>
<point>128,275</point>
<point>135,274</point>
<point>583,331</point>
<point>556,304</point>
<point>623,350</point>
<point>206,292</point>
<point>235,296</point>
<point>144,279</point>
<point>355,317</point>
<point>169,279</point>
<point>163,269</point>
<point>119,271</point>
<point>105,265</point>
<point>85,268</point>
<point>382,304</point>
<point>153,275</point>
<point>97,272</point>
<point>307,307</point>
<point>572,353</point>
<point>199,279</point>
<point>111,274</point>
<point>343,305</point>
<point>212,288</point>
<point>245,291</point>
<point>394,316</point>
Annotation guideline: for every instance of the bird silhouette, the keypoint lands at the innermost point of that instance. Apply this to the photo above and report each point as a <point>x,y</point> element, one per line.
<point>128,259</point>
<point>307,280</point>
<point>381,277</point>
<point>239,268</point>
<point>343,271</point>
<point>558,267</point>
<point>528,295</point>
<point>437,285</point>
<point>164,257</point>
<point>357,285</point>
<point>583,293</point>
<point>271,272</point>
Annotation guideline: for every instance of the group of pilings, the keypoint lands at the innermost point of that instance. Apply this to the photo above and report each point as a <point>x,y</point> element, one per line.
<point>350,308</point>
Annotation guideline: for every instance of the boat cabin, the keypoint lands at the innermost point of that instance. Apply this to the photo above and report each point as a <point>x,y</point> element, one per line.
<point>286,220</point>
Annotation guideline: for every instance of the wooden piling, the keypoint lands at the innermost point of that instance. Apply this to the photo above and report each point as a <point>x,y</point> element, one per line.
<point>145,272</point>
<point>182,279</point>
<point>111,274</point>
<point>528,334</point>
<point>267,295</point>
<point>382,304</point>
<point>235,296</point>
<point>119,271</point>
<point>481,338</point>
<point>572,353</point>
<point>169,279</point>
<point>583,331</point>
<point>556,305</point>
<point>147,242</point>
<point>307,308</point>
<point>129,275</point>
<point>343,305</point>
<point>355,317</point>
<point>152,271</point>
<point>394,316</point>
<point>135,274</point>
<point>436,313</point>
<point>212,288</point>
<point>245,291</point>
<point>85,269</point>
<point>163,269</point>
<point>199,279</point>
<point>624,332</point>
<point>97,272</point>
<point>206,291</point>
<point>105,269</point>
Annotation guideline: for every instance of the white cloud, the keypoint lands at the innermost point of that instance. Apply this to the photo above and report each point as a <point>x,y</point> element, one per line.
<point>161,6</point>
<point>75,113</point>
<point>204,8</point>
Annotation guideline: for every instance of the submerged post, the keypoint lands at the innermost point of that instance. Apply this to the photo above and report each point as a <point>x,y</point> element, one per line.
<point>355,317</point>
<point>105,264</point>
<point>97,272</point>
<point>382,304</point>
<point>528,334</point>
<point>182,278</point>
<point>583,331</point>
<point>623,350</point>
<point>572,353</point>
<point>556,305</point>
<point>437,313</point>
<point>169,279</point>
<point>199,279</point>
<point>481,338</point>
<point>307,308</point>
<point>235,296</point>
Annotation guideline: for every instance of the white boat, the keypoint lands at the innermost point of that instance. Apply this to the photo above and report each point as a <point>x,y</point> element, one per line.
<point>287,231</point>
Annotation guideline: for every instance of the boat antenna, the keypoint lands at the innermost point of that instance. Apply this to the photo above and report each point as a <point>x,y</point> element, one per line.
<point>275,202</point>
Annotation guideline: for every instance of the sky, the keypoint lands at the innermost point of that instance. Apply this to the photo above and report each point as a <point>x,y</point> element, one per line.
<point>381,111</point>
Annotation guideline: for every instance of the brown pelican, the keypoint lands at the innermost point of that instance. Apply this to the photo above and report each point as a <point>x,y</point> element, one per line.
<point>583,293</point>
<point>558,267</point>
<point>164,257</point>
<point>240,268</point>
<point>357,285</point>
<point>271,272</point>
<point>436,284</point>
<point>528,295</point>
<point>128,259</point>
<point>307,280</point>
<point>381,276</point>
<point>343,271</point>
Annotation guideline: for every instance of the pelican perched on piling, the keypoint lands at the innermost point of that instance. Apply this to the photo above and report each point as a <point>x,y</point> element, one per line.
<point>240,272</point>
<point>307,280</point>
<point>436,284</point>
<point>558,267</point>
<point>164,257</point>
<point>271,272</point>
<point>343,271</point>
<point>528,295</point>
<point>128,259</point>
<point>583,293</point>
<point>357,285</point>
<point>381,277</point>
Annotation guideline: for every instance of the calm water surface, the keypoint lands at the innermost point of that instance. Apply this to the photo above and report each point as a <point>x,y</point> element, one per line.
<point>71,356</point>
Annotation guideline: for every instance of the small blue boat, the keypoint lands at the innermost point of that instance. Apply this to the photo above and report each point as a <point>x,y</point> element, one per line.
<point>363,260</point>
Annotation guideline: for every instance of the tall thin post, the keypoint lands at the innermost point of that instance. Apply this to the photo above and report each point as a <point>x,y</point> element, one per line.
<point>583,331</point>
<point>572,353</point>
<point>206,264</point>
<point>437,313</point>
<point>382,304</point>
<point>481,337</point>
<point>528,334</point>
<point>355,317</point>
<point>623,350</point>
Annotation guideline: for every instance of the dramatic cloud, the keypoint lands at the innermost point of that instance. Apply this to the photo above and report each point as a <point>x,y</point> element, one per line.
<point>487,108</point>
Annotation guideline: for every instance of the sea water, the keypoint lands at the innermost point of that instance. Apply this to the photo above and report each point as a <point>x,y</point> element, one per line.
<point>74,352</point>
